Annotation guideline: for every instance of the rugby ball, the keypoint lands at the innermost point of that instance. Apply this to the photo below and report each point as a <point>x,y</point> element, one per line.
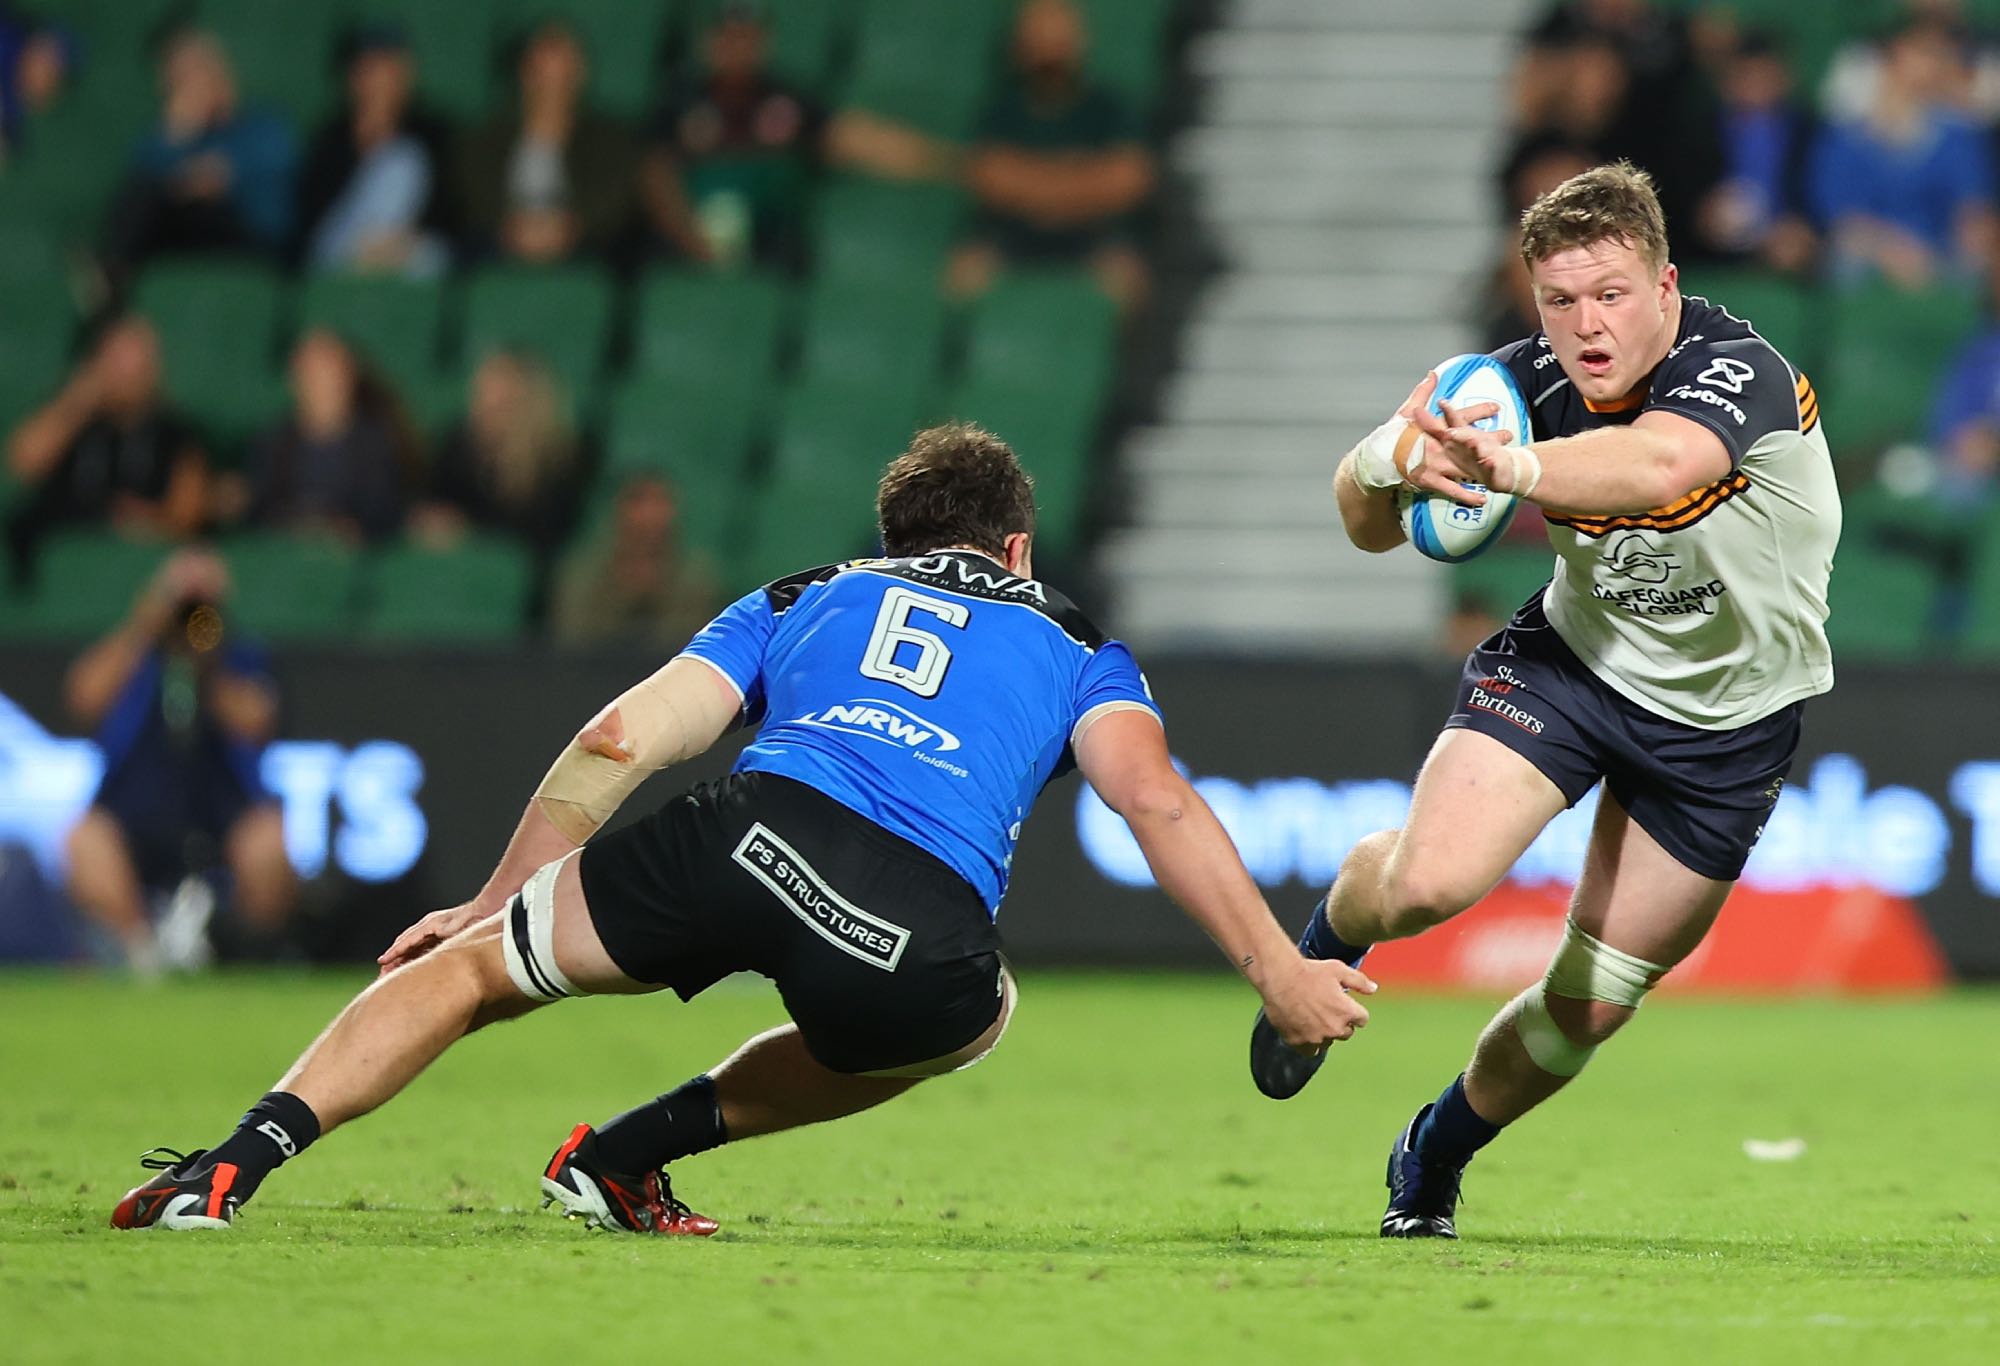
<point>1448,531</point>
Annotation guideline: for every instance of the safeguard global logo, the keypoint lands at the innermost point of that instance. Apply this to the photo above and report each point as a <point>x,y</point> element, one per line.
<point>1830,828</point>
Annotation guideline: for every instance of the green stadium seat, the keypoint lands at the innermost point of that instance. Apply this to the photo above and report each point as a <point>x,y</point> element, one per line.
<point>624,40</point>
<point>292,588</point>
<point>454,45</point>
<point>395,323</point>
<point>1054,433</point>
<point>218,323</point>
<point>798,524</point>
<point>700,445</point>
<point>1501,579</point>
<point>708,327</point>
<point>38,314</point>
<point>925,63</point>
<point>842,433</point>
<point>870,233</point>
<point>873,335</point>
<point>1128,47</point>
<point>804,35</point>
<point>282,53</point>
<point>1784,312</point>
<point>475,592</point>
<point>73,162</point>
<point>1044,328</point>
<point>562,314</point>
<point>1980,638</point>
<point>1888,349</point>
<point>1883,605</point>
<point>85,583</point>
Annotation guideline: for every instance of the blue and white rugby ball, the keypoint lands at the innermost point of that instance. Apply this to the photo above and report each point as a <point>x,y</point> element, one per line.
<point>1440,528</point>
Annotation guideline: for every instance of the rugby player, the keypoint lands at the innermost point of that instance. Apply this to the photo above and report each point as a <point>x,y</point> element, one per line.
<point>1679,461</point>
<point>912,707</point>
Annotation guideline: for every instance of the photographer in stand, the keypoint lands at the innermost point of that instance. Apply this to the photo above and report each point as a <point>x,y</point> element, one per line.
<point>182,711</point>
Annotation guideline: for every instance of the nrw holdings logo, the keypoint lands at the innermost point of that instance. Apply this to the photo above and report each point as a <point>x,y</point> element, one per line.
<point>872,718</point>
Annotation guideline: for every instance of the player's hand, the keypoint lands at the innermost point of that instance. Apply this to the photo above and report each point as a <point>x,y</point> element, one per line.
<point>430,932</point>
<point>1311,1004</point>
<point>1434,465</point>
<point>1490,455</point>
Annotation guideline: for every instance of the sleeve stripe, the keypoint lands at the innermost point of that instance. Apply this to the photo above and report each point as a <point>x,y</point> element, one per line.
<point>1104,709</point>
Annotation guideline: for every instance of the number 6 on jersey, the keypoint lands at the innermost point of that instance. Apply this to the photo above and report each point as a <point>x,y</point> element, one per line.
<point>893,631</point>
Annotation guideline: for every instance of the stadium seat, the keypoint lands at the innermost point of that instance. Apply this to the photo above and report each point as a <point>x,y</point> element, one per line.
<point>709,327</point>
<point>701,446</point>
<point>1883,604</point>
<point>72,166</point>
<point>1782,311</point>
<point>865,232</point>
<point>291,588</point>
<point>475,592</point>
<point>1056,329</point>
<point>454,46</point>
<point>804,35</point>
<point>926,64</point>
<point>218,324</point>
<point>282,53</point>
<point>1502,578</point>
<point>395,323</point>
<point>1888,349</point>
<point>624,40</point>
<point>841,434</point>
<point>85,583</point>
<point>873,335</point>
<point>38,313</point>
<point>799,524</point>
<point>1128,47</point>
<point>561,314</point>
<point>1980,638</point>
<point>1054,434</point>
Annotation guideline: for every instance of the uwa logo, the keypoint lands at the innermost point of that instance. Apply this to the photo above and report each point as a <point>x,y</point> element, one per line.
<point>872,718</point>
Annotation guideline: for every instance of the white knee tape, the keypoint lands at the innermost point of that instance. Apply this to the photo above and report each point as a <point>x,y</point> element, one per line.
<point>528,941</point>
<point>1585,968</point>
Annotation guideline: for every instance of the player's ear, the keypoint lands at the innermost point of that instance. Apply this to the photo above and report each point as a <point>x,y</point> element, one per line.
<point>1670,278</point>
<point>1019,555</point>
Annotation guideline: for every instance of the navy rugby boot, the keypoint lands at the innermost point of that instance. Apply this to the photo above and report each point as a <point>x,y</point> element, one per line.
<point>188,1193</point>
<point>1423,1198</point>
<point>1280,1070</point>
<point>615,1201</point>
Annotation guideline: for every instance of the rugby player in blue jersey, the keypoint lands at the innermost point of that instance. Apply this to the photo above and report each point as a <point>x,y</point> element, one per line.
<point>910,710</point>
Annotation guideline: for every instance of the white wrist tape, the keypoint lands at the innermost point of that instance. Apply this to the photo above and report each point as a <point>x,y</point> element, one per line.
<point>1375,467</point>
<point>1518,455</point>
<point>673,715</point>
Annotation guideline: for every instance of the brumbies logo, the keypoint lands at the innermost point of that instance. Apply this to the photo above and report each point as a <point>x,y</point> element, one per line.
<point>825,912</point>
<point>1633,556</point>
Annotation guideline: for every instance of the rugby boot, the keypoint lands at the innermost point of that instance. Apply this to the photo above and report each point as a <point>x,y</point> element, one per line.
<point>188,1193</point>
<point>1423,1198</point>
<point>1280,1070</point>
<point>615,1200</point>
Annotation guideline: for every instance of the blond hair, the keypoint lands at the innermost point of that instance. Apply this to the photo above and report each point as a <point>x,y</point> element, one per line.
<point>1614,203</point>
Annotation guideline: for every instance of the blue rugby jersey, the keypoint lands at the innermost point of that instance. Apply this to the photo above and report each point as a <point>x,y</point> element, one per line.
<point>934,695</point>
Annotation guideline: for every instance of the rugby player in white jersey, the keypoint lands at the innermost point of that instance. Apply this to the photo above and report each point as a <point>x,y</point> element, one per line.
<point>1690,497</point>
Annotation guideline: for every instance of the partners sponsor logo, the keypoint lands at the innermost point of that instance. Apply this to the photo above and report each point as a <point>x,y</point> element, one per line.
<point>1637,557</point>
<point>824,911</point>
<point>1494,694</point>
<point>1712,399</point>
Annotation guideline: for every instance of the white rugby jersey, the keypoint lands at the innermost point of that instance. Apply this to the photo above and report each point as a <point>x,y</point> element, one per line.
<point>1712,610</point>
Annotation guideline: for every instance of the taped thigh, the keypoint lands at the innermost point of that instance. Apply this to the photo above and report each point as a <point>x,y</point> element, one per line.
<point>528,942</point>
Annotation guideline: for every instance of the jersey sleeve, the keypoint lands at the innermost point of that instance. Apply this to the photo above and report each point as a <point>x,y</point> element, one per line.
<point>1533,366</point>
<point>734,645</point>
<point>1110,682</point>
<point>1739,388</point>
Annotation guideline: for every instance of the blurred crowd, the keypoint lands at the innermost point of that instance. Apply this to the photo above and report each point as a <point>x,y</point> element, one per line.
<point>718,179</point>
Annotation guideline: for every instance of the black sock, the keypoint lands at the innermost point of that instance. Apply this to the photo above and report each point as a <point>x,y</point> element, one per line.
<point>277,1128</point>
<point>1319,940</point>
<point>1453,1131</point>
<point>685,1121</point>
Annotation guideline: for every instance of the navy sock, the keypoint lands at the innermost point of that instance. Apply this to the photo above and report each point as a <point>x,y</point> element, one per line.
<point>1453,1131</point>
<point>685,1121</point>
<point>276,1129</point>
<point>1319,940</point>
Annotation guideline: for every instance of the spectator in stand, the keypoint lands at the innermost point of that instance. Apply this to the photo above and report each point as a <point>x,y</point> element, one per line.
<point>1058,168</point>
<point>1965,423</point>
<point>511,465</point>
<point>182,711</point>
<point>372,195</point>
<point>551,179</point>
<point>1758,211</point>
<point>1536,165</point>
<point>108,449</point>
<point>338,464</point>
<point>1907,191</point>
<point>213,176</point>
<point>35,64</point>
<point>635,580</point>
<point>1971,86</point>
<point>733,150</point>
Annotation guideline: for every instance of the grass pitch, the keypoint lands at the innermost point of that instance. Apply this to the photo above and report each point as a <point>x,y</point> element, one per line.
<point>1107,1187</point>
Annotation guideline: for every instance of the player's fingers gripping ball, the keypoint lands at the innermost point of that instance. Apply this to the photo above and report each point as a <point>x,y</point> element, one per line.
<point>1453,532</point>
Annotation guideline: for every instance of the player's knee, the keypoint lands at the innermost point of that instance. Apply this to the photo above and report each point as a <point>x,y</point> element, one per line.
<point>1416,898</point>
<point>1590,991</point>
<point>1587,1023</point>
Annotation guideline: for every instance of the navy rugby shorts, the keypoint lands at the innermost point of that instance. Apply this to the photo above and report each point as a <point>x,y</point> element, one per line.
<point>885,957</point>
<point>1703,794</point>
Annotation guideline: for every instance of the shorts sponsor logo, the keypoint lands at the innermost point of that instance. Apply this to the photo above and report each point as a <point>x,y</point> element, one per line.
<point>875,719</point>
<point>1712,399</point>
<point>1491,694</point>
<point>1725,373</point>
<point>825,912</point>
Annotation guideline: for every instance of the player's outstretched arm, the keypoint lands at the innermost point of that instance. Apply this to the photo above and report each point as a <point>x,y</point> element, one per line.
<point>1396,455</point>
<point>674,715</point>
<point>1659,458</point>
<point>1123,755</point>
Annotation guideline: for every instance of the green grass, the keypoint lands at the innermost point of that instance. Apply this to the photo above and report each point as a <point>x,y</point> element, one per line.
<point>1107,1187</point>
